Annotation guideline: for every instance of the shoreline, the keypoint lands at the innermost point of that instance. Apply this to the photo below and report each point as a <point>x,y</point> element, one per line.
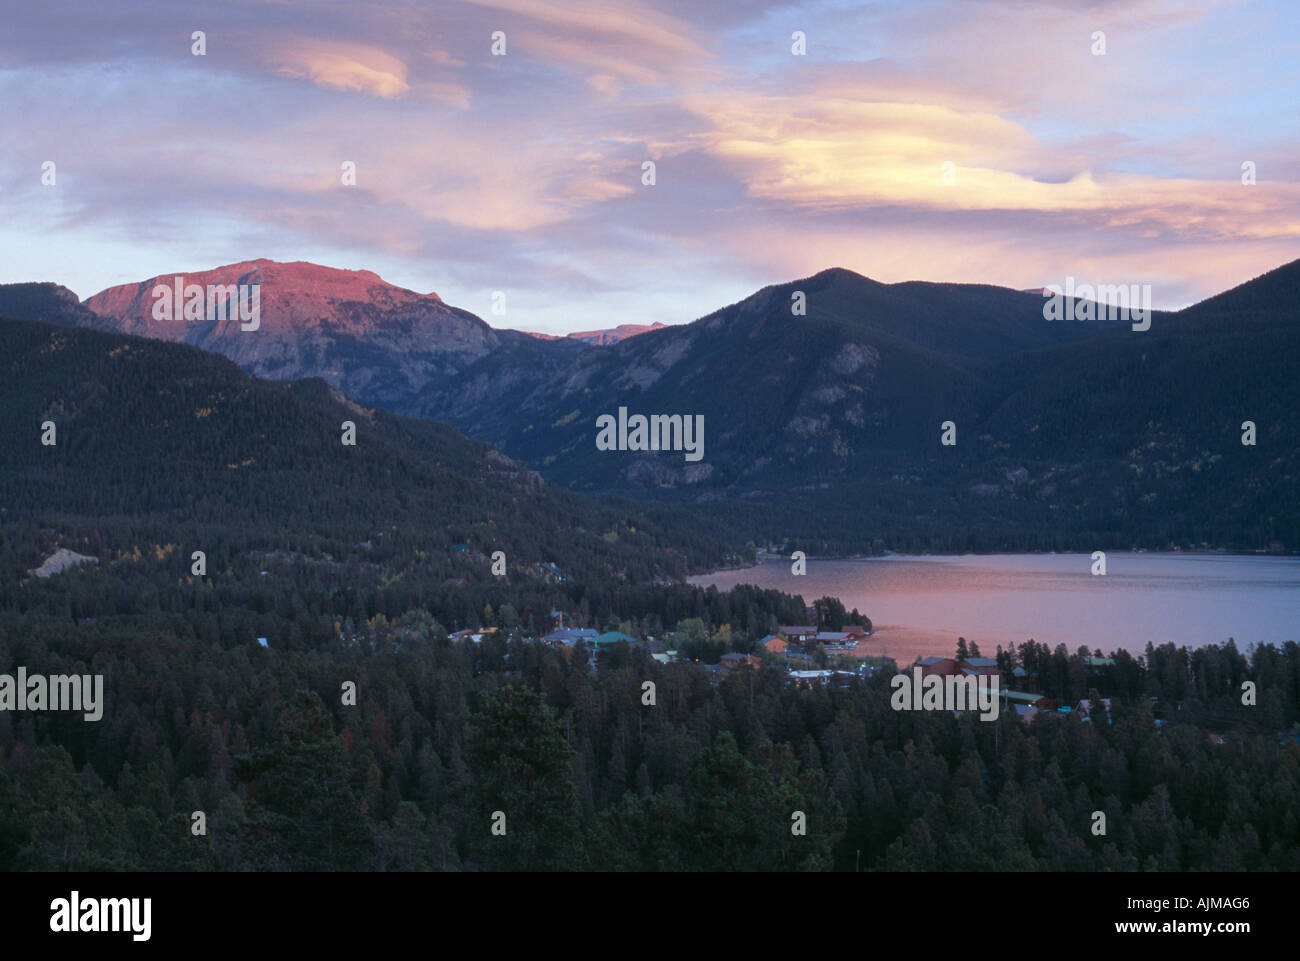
<point>921,603</point>
<point>760,558</point>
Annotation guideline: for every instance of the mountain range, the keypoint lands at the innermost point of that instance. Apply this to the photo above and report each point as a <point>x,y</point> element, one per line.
<point>1082,430</point>
<point>603,338</point>
<point>378,343</point>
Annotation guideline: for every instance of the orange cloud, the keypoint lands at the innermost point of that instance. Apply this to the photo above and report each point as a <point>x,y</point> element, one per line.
<point>831,153</point>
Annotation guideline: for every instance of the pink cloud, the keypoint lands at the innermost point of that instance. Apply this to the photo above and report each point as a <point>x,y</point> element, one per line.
<point>338,66</point>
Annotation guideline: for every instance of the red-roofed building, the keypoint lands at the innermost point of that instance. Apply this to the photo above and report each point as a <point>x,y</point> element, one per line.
<point>940,666</point>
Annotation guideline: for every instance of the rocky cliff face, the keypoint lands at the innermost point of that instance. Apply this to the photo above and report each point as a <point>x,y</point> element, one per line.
<point>366,337</point>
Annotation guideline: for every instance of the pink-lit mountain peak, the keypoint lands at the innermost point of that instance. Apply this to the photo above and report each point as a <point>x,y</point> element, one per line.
<point>359,333</point>
<point>292,294</point>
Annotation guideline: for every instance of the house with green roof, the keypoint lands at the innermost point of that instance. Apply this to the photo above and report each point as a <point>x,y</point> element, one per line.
<point>606,641</point>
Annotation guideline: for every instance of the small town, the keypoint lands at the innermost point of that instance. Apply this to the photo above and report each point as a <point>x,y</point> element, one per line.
<point>808,655</point>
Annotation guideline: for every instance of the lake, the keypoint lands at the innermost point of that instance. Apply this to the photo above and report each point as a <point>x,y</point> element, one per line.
<point>919,605</point>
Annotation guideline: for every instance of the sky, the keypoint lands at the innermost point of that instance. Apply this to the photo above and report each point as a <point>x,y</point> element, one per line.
<point>972,141</point>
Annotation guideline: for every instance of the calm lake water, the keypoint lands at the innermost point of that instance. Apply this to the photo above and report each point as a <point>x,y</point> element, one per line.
<point>919,605</point>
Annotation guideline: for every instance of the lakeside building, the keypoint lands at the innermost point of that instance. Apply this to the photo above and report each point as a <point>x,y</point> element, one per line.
<point>797,633</point>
